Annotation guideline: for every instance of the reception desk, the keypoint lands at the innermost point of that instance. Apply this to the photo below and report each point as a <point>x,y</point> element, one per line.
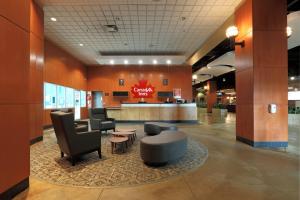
<point>154,112</point>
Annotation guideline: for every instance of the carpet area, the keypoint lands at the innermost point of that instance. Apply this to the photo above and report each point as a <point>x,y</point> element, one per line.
<point>113,170</point>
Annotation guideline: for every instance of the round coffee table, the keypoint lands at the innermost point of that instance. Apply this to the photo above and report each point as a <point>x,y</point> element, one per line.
<point>129,135</point>
<point>118,140</point>
<point>127,130</point>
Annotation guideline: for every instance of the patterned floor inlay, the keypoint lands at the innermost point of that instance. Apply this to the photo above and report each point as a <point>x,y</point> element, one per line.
<point>122,169</point>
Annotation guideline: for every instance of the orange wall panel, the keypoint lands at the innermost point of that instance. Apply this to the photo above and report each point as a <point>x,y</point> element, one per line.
<point>17,12</point>
<point>36,70</point>
<point>14,63</point>
<point>106,79</point>
<point>63,69</point>
<point>261,75</point>
<point>14,90</point>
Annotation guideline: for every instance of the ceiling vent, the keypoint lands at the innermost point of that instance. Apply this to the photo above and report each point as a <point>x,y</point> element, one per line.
<point>110,28</point>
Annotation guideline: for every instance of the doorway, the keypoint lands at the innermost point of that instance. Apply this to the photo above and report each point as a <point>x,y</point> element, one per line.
<point>97,99</point>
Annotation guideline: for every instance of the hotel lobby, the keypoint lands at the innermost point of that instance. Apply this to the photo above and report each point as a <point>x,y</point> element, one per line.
<point>150,99</point>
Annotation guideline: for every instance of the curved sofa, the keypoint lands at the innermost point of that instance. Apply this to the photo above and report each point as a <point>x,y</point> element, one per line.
<point>164,147</point>
<point>155,128</point>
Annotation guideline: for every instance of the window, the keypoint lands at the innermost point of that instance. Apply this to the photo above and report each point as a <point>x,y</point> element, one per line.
<point>69,97</point>
<point>82,98</point>
<point>49,95</point>
<point>61,96</point>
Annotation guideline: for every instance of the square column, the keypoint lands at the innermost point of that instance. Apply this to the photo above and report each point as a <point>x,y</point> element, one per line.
<point>262,73</point>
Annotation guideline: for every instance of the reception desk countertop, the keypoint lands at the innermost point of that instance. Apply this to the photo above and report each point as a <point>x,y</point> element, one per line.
<point>154,112</point>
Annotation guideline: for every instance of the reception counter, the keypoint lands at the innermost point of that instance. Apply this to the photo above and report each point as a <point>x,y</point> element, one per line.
<point>154,112</point>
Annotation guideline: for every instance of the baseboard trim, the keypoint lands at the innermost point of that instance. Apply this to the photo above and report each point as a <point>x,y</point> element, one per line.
<point>35,140</point>
<point>16,189</point>
<point>277,144</point>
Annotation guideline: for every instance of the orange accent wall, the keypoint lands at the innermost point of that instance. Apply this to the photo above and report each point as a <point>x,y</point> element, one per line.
<point>36,70</point>
<point>14,89</point>
<point>106,79</point>
<point>261,75</point>
<point>63,69</point>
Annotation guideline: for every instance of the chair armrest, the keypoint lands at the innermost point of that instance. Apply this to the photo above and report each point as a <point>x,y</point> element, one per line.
<point>83,122</point>
<point>89,133</point>
<point>110,119</point>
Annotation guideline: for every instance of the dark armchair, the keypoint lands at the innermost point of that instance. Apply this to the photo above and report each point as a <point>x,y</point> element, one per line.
<point>100,121</point>
<point>80,125</point>
<point>71,142</point>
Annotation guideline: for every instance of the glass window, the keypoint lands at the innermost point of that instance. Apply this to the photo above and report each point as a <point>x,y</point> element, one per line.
<point>49,95</point>
<point>61,96</point>
<point>69,97</point>
<point>83,98</point>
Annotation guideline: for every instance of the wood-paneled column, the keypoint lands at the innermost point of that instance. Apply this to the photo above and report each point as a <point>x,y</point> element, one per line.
<point>211,95</point>
<point>261,75</point>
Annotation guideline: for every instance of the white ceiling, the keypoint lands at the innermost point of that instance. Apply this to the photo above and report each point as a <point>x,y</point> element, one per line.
<point>146,27</point>
<point>293,20</point>
<point>216,67</point>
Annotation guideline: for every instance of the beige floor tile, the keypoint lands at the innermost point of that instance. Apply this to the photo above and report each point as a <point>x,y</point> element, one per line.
<point>43,191</point>
<point>175,189</point>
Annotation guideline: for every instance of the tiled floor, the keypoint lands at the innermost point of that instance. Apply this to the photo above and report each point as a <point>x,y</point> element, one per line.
<point>233,170</point>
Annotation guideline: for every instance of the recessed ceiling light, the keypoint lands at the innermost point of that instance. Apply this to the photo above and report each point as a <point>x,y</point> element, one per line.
<point>112,62</point>
<point>154,62</point>
<point>292,78</point>
<point>169,62</point>
<point>125,62</point>
<point>140,62</point>
<point>81,44</point>
<point>53,19</point>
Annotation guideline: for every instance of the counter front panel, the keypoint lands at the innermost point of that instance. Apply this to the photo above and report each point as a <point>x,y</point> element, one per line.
<point>155,112</point>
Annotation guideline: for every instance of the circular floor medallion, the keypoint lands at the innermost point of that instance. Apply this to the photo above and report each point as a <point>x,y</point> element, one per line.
<point>120,169</point>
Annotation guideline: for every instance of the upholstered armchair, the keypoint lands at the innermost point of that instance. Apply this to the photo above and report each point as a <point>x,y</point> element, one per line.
<point>74,143</point>
<point>100,121</point>
<point>80,125</point>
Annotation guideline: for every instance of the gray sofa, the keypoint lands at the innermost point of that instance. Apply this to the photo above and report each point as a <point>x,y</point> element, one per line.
<point>163,148</point>
<point>155,128</point>
<point>71,142</point>
<point>100,121</point>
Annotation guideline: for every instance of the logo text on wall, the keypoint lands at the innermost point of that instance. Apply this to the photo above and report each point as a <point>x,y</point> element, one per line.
<point>142,90</point>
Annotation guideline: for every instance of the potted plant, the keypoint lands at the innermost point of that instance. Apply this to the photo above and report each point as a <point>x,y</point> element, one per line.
<point>219,109</point>
<point>202,107</point>
<point>294,115</point>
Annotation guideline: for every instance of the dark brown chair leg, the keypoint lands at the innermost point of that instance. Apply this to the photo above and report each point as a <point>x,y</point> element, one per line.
<point>99,153</point>
<point>61,154</point>
<point>73,161</point>
<point>112,148</point>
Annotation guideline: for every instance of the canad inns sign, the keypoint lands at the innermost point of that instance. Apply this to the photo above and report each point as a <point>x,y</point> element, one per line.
<point>142,90</point>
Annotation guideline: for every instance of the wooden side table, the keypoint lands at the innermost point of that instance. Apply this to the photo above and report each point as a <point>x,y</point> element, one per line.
<point>118,141</point>
<point>127,130</point>
<point>129,135</point>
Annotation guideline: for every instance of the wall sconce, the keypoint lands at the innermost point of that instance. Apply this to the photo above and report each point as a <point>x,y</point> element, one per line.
<point>231,33</point>
<point>289,31</point>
